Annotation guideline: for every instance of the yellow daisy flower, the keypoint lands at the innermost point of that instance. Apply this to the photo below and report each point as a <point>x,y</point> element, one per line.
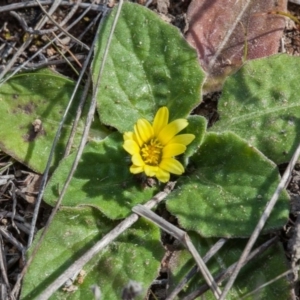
<point>153,147</point>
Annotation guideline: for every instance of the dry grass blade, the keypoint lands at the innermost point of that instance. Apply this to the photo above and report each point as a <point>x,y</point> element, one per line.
<point>45,175</point>
<point>78,115</point>
<point>262,221</point>
<point>112,235</point>
<point>228,34</point>
<point>23,65</point>
<point>7,235</point>
<point>184,239</point>
<point>15,6</point>
<point>226,273</point>
<point>89,120</point>
<point>28,41</point>
<point>3,267</point>
<point>294,249</point>
<point>61,28</point>
<point>45,31</point>
<point>268,283</point>
<point>213,250</point>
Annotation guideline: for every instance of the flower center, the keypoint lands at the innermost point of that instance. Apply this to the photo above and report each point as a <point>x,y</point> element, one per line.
<point>151,152</point>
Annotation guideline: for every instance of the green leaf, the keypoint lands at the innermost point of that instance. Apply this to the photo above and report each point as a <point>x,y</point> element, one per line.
<point>228,190</point>
<point>197,126</point>
<point>149,65</point>
<point>261,104</point>
<point>30,97</point>
<point>256,273</point>
<point>132,256</point>
<point>102,179</point>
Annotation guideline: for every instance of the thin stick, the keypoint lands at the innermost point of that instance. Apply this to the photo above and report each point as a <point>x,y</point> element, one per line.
<point>89,119</point>
<point>90,115</point>
<point>49,162</point>
<point>38,65</point>
<point>3,266</point>
<point>61,28</point>
<point>58,132</point>
<point>9,237</point>
<point>262,221</point>
<point>20,5</point>
<point>228,34</point>
<point>184,239</point>
<point>78,115</point>
<point>108,238</point>
<point>268,283</point>
<point>13,194</point>
<point>46,31</point>
<point>212,251</point>
<point>226,273</point>
<point>44,181</point>
<point>4,71</point>
<point>28,41</point>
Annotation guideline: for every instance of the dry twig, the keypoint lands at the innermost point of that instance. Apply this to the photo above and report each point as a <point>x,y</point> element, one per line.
<point>20,5</point>
<point>77,158</point>
<point>184,239</point>
<point>226,273</point>
<point>213,250</point>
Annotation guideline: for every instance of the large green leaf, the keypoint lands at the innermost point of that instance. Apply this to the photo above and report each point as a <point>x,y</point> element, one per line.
<point>135,255</point>
<point>102,179</point>
<point>261,104</point>
<point>149,65</point>
<point>26,99</point>
<point>228,189</point>
<point>256,273</point>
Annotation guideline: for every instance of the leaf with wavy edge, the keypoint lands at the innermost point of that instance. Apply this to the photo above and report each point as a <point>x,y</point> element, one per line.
<point>226,193</point>
<point>32,105</point>
<point>261,103</point>
<point>149,65</point>
<point>135,255</point>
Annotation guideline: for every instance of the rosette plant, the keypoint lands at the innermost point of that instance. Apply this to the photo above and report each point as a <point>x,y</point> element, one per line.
<point>146,123</point>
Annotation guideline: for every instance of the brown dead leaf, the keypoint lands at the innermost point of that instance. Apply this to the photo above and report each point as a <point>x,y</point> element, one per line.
<point>219,30</point>
<point>29,188</point>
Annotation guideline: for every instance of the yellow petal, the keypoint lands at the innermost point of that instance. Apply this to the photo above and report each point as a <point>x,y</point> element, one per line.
<point>172,165</point>
<point>137,137</point>
<point>128,135</point>
<point>135,169</point>
<point>172,150</point>
<point>131,147</point>
<point>144,129</point>
<point>150,170</point>
<point>171,130</point>
<point>184,139</point>
<point>161,120</point>
<point>162,176</point>
<point>137,160</point>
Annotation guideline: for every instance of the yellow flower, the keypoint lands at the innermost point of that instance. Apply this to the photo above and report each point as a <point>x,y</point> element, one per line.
<point>153,147</point>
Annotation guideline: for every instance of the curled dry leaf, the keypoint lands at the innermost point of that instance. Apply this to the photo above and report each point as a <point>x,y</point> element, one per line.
<point>221,31</point>
<point>29,188</point>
